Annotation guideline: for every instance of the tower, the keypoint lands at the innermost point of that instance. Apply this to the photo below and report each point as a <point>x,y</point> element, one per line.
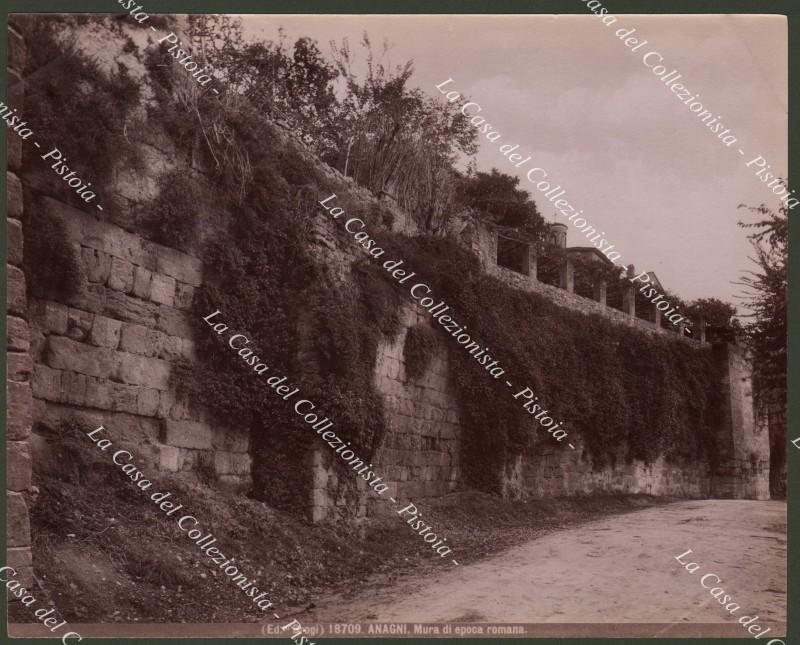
<point>558,234</point>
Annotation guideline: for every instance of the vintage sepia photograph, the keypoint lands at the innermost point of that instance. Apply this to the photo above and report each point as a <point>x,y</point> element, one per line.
<point>396,325</point>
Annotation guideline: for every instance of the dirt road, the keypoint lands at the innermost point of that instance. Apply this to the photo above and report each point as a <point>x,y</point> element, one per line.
<point>616,570</point>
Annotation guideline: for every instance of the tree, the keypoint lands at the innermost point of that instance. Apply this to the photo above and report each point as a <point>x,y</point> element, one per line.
<point>766,331</point>
<point>295,85</point>
<point>717,314</point>
<point>497,197</point>
<point>397,140</point>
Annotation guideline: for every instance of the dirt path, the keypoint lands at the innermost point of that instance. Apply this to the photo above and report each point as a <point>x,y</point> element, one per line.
<point>615,570</point>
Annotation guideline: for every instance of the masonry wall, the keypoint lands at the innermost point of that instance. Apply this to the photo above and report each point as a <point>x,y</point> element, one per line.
<point>743,449</point>
<point>105,356</point>
<point>19,402</point>
<point>558,471</point>
<point>420,455</point>
<point>737,469</point>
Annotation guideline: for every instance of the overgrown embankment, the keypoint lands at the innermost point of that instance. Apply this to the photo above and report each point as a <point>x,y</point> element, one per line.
<point>105,553</point>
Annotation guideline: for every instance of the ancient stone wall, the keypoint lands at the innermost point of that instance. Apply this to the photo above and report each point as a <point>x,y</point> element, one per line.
<point>421,453</point>
<point>738,467</point>
<point>742,468</point>
<point>19,402</point>
<point>556,471</point>
<point>105,355</point>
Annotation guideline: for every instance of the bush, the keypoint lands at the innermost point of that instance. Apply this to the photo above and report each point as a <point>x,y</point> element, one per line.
<point>73,104</point>
<point>52,267</point>
<point>172,216</point>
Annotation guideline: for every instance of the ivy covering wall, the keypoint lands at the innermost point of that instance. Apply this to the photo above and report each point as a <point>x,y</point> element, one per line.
<point>612,385</point>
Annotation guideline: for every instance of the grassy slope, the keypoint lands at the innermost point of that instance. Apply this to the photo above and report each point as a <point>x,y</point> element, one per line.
<point>104,553</point>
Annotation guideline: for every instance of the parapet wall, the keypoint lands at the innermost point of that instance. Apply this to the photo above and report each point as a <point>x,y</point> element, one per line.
<point>482,239</point>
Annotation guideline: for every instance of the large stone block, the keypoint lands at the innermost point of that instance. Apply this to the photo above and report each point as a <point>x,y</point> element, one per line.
<point>19,403</point>
<point>20,366</point>
<point>98,393</point>
<point>188,349</point>
<point>184,296</point>
<point>124,398</point>
<point>231,463</point>
<point>179,266</point>
<point>121,426</point>
<point>123,307</point>
<point>168,458</point>
<point>17,334</point>
<point>13,149</point>
<point>134,428</point>
<point>186,434</point>
<point>17,523</point>
<point>147,402</point>
<point>162,289</point>
<point>20,556</point>
<point>66,354</point>
<point>73,388</point>
<point>142,370</point>
<point>14,241</point>
<point>18,465</point>
<point>138,339</point>
<point>54,317</point>
<point>13,196</point>
<point>142,279</point>
<point>96,265</point>
<point>15,293</point>
<point>166,400</point>
<point>79,324</point>
<point>106,332</point>
<point>169,347</point>
<point>121,276</point>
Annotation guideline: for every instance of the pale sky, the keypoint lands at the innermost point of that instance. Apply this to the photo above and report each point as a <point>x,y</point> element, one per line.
<point>566,89</point>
